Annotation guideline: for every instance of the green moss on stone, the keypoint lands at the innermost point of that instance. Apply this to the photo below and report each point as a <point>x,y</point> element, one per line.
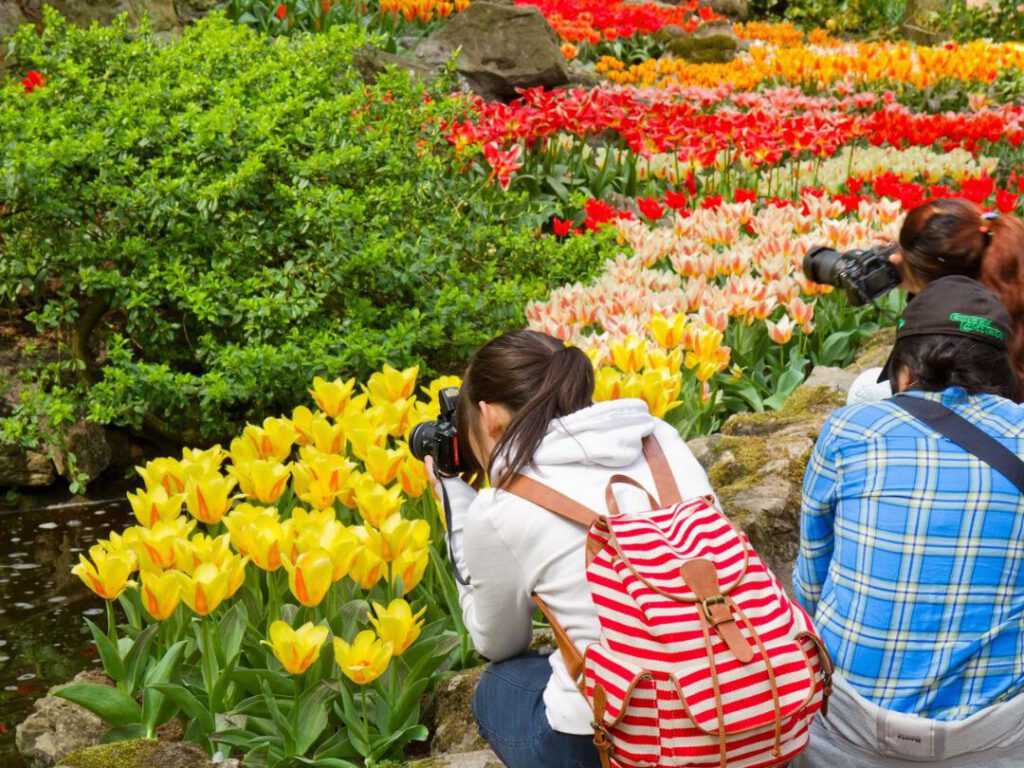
<point>140,753</point>
<point>741,472</point>
<point>811,400</point>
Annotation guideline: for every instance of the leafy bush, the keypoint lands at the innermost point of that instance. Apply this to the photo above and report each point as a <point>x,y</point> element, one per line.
<point>1003,20</point>
<point>206,225</point>
<point>847,15</point>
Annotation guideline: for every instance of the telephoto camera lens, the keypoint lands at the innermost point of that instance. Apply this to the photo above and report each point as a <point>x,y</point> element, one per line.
<point>422,439</point>
<point>822,265</point>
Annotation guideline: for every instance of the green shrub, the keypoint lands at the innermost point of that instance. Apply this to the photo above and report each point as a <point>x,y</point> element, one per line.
<point>1002,20</point>
<point>206,225</point>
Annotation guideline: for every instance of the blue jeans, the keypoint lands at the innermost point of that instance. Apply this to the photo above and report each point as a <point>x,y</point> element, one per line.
<point>510,712</point>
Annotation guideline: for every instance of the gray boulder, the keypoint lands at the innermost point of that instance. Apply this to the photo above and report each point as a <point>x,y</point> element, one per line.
<point>56,728</point>
<point>139,753</point>
<point>713,42</point>
<point>500,48</point>
<point>449,715</point>
<point>20,468</point>
<point>88,444</point>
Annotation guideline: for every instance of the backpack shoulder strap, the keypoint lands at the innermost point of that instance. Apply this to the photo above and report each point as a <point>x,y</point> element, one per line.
<point>551,500</point>
<point>664,481</point>
<point>969,437</point>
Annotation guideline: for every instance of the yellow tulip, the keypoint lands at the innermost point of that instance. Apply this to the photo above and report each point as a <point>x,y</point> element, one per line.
<point>157,547</point>
<point>399,534</point>
<point>125,544</point>
<point>310,576</point>
<point>365,659</point>
<point>368,564</point>
<point>628,354</point>
<point>412,476</point>
<point>262,480</point>
<point>234,567</point>
<point>160,593</point>
<point>332,396</point>
<point>302,422</point>
<point>269,540</point>
<point>409,566</point>
<point>661,360</point>
<point>363,433</point>
<point>607,384</point>
<point>107,574</point>
<point>708,356</point>
<point>296,649</point>
<point>397,625</point>
<point>328,437</point>
<point>375,502</point>
<point>208,497</point>
<point>668,332</point>
<point>191,553</point>
<point>395,418</point>
<point>164,472</point>
<point>205,589</point>
<point>320,478</point>
<point>391,384</point>
<point>240,524</point>
<point>150,506</point>
<point>659,390</point>
<point>383,463</point>
<point>273,440</point>
<point>333,537</point>
<point>195,461</point>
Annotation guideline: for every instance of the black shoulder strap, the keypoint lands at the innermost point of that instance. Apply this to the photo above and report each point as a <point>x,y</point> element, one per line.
<point>966,435</point>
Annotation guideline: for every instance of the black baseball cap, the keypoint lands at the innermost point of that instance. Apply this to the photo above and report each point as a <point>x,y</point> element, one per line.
<point>954,306</point>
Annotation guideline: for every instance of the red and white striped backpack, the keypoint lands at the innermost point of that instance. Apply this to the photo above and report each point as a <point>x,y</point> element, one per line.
<point>703,660</point>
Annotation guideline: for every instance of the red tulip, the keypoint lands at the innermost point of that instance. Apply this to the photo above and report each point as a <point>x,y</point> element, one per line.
<point>281,11</point>
<point>650,208</point>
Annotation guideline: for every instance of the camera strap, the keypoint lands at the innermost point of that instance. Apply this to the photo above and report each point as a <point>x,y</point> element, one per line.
<point>446,504</point>
<point>969,437</point>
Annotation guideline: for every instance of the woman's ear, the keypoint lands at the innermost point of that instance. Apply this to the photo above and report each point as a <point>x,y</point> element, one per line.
<point>494,419</point>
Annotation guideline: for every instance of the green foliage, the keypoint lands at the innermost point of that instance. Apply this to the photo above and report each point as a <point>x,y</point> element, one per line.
<point>204,226</point>
<point>1003,20</point>
<point>864,16</point>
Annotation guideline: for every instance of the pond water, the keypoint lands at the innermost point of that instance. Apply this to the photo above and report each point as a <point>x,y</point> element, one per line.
<point>43,640</point>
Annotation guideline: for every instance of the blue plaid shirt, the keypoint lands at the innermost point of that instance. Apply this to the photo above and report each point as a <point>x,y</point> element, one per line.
<point>911,554</point>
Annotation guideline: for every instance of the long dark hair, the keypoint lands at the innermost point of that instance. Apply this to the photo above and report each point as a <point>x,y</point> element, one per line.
<point>939,362</point>
<point>953,237</point>
<point>538,379</point>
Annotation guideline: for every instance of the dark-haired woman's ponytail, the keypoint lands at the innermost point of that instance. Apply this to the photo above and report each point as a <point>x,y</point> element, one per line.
<point>567,386</point>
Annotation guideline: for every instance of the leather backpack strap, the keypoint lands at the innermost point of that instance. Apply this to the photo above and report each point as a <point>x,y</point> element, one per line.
<point>664,481</point>
<point>702,579</point>
<point>551,500</point>
<point>570,653</point>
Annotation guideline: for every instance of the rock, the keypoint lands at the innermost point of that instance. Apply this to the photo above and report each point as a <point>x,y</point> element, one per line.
<point>11,17</point>
<point>20,468</point>
<point>56,728</point>
<point>482,758</point>
<point>371,62</point>
<point>190,10</point>
<point>501,48</point>
<point>88,444</point>
<point>449,715</point>
<point>84,12</point>
<point>838,379</point>
<point>140,753</point>
<point>734,9</point>
<point>713,42</point>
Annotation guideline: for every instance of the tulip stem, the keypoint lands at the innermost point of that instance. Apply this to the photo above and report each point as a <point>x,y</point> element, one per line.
<point>366,730</point>
<point>111,623</point>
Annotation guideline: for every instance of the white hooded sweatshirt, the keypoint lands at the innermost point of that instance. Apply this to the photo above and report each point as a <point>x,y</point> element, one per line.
<point>511,548</point>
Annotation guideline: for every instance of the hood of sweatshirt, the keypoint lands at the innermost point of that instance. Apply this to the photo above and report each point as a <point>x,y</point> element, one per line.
<point>608,434</point>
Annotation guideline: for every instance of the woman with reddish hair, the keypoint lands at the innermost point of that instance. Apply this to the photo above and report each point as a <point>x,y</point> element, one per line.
<point>956,237</point>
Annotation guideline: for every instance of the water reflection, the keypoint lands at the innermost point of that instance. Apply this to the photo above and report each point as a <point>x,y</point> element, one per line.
<point>43,640</point>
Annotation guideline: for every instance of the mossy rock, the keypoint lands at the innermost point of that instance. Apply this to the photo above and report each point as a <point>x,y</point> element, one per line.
<point>141,753</point>
<point>713,49</point>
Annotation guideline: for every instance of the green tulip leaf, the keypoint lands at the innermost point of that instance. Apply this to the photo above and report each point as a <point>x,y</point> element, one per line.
<point>111,705</point>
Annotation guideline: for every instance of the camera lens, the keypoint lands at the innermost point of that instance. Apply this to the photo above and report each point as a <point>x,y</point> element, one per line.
<point>422,439</point>
<point>821,265</point>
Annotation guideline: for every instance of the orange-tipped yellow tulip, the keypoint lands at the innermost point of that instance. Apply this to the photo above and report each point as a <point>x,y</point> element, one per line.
<point>383,464</point>
<point>166,473</point>
<point>365,659</point>
<point>340,544</point>
<point>375,502</point>
<point>398,534</point>
<point>409,566</point>
<point>158,546</point>
<point>668,331</point>
<point>205,589</point>
<point>160,593</point>
<point>397,625</point>
<point>628,354</point>
<point>153,505</point>
<point>391,384</point>
<point>310,576</point>
<point>302,421</point>
<point>273,440</point>
<point>328,437</point>
<point>191,553</point>
<point>332,396</point>
<point>208,497</point>
<point>395,418</point>
<point>197,463</point>
<point>368,565</point>
<point>363,433</point>
<point>107,574</point>
<point>412,476</point>
<point>262,480</point>
<point>240,524</point>
<point>296,649</point>
<point>126,544</point>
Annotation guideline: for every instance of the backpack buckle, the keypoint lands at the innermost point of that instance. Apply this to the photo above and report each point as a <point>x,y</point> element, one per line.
<point>706,604</point>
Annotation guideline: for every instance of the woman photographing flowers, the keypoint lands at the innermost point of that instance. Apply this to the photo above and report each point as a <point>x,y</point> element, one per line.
<point>956,237</point>
<point>526,408</point>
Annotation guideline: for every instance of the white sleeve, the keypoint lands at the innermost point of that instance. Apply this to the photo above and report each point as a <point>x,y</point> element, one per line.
<point>496,608</point>
<point>866,388</point>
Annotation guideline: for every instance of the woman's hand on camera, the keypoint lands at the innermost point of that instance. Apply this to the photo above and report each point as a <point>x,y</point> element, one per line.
<point>429,464</point>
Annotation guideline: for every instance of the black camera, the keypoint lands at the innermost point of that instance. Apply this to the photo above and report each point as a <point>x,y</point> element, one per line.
<point>439,438</point>
<point>865,275</point>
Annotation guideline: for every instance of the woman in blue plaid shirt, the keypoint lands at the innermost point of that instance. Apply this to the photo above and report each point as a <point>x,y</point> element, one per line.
<point>912,552</point>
